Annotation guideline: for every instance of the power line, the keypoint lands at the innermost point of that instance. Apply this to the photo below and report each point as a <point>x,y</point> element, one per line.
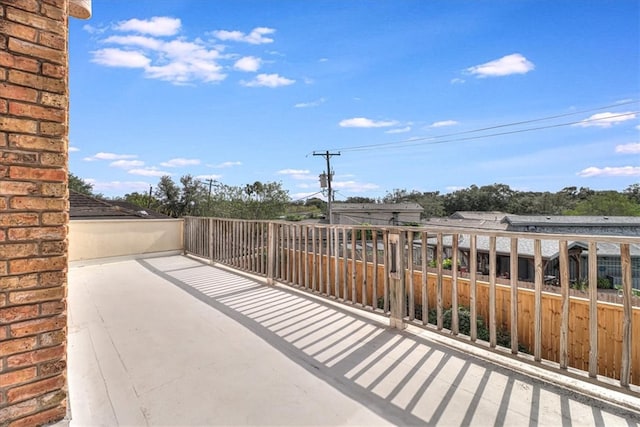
<point>437,139</point>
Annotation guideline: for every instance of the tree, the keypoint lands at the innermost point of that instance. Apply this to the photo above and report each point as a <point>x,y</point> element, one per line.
<point>144,200</point>
<point>79,185</point>
<point>168,195</point>
<point>610,203</point>
<point>633,192</point>
<point>359,199</point>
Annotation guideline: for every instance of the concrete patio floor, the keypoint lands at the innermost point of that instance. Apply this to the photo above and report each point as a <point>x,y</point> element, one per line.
<point>172,341</point>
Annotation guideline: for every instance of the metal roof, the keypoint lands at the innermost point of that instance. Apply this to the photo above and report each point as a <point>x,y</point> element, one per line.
<point>563,220</point>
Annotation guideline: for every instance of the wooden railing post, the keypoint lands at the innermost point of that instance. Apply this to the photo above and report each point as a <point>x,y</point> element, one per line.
<point>396,273</point>
<point>271,251</point>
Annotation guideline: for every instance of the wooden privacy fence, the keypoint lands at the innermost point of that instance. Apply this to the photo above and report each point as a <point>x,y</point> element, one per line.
<point>354,265</point>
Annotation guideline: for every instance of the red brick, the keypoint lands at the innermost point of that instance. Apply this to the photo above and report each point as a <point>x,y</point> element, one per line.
<point>52,11</point>
<point>58,247</point>
<point>9,188</point>
<point>37,203</point>
<point>52,338</point>
<point>19,219</point>
<point>18,250</point>
<point>53,99</point>
<point>19,410</point>
<point>53,41</point>
<point>37,233</point>
<point>53,159</point>
<point>60,4</point>
<point>21,63</point>
<point>53,129</point>
<point>36,111</point>
<point>37,82</point>
<point>53,398</point>
<point>32,20</point>
<point>53,189</point>
<point>51,70</point>
<point>4,269</point>
<point>15,314</point>
<point>27,391</point>
<point>10,91</point>
<point>31,265</point>
<point>29,142</point>
<point>53,367</point>
<point>17,346</point>
<point>39,51</point>
<point>52,218</point>
<point>38,174</point>
<point>41,418</point>
<point>53,278</point>
<point>10,124</point>
<point>37,295</point>
<point>28,5</point>
<point>37,326</point>
<point>14,157</point>
<point>4,109</point>
<point>17,377</point>
<point>19,282</point>
<point>20,31</point>
<point>34,357</point>
<point>52,307</point>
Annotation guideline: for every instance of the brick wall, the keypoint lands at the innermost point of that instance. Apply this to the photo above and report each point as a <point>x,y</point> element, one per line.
<point>33,210</point>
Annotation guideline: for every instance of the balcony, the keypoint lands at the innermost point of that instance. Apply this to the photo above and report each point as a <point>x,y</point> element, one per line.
<point>287,327</point>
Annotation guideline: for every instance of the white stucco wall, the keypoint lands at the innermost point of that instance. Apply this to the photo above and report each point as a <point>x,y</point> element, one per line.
<point>92,239</point>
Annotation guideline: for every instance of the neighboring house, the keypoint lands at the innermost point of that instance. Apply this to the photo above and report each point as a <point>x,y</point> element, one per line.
<point>384,214</point>
<point>608,254</point>
<point>82,206</point>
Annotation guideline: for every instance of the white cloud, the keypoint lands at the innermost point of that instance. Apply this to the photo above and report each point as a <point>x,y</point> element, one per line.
<point>610,171</point>
<point>126,164</point>
<point>631,148</point>
<point>73,149</point>
<point>118,186</point>
<point>156,26</point>
<point>109,156</point>
<point>224,165</point>
<point>323,59</point>
<point>362,122</point>
<point>248,63</point>
<point>180,162</point>
<point>120,58</point>
<point>510,64</point>
<point>148,172</point>
<point>268,80</point>
<point>606,120</point>
<point>443,123</point>
<point>310,104</point>
<point>140,41</point>
<point>178,61</point>
<point>256,36</point>
<point>299,174</point>
<point>399,130</point>
<point>212,177</point>
<point>354,186</point>
<point>457,80</point>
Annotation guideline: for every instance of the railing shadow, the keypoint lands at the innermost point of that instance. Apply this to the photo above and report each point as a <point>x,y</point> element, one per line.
<point>406,379</point>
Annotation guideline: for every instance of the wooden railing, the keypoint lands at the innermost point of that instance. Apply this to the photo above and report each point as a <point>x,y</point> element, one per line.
<point>375,268</point>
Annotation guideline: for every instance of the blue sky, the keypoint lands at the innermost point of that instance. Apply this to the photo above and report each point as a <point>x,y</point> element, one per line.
<point>421,95</point>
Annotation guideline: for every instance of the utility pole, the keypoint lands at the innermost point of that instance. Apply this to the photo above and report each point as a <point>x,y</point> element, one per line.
<point>327,155</point>
<point>149,199</point>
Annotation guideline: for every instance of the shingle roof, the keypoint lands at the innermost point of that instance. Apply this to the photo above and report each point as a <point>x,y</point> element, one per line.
<point>482,215</point>
<point>82,206</point>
